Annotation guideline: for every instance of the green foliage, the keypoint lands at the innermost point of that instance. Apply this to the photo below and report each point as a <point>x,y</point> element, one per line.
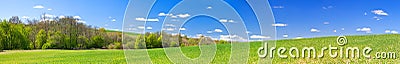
<point>223,42</point>
<point>115,45</point>
<point>96,42</point>
<point>63,57</point>
<point>13,36</point>
<point>139,42</point>
<point>83,42</point>
<point>47,45</point>
<point>174,44</point>
<point>40,39</point>
<point>152,42</point>
<point>193,41</point>
<point>64,33</point>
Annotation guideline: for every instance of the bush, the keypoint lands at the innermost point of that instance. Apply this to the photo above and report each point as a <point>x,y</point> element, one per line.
<point>96,42</point>
<point>174,44</point>
<point>193,41</point>
<point>47,45</point>
<point>223,42</point>
<point>1,47</point>
<point>139,43</point>
<point>115,45</point>
<point>40,39</point>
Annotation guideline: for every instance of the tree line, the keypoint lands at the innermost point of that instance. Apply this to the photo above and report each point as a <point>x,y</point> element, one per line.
<point>68,33</point>
<point>61,33</point>
<point>163,40</point>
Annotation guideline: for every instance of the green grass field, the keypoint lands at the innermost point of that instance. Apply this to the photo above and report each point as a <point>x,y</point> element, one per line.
<point>62,56</point>
<point>379,43</point>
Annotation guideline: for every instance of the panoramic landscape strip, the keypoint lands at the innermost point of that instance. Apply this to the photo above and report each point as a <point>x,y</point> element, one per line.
<point>199,32</point>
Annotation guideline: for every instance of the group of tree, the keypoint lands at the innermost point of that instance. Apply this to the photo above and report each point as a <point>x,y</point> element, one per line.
<point>163,40</point>
<point>61,33</point>
<point>68,33</point>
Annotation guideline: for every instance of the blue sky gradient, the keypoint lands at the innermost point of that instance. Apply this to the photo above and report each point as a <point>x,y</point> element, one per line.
<point>295,18</point>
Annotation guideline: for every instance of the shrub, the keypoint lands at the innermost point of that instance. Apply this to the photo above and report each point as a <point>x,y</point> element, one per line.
<point>96,42</point>
<point>223,42</point>
<point>174,44</point>
<point>139,43</point>
<point>47,45</point>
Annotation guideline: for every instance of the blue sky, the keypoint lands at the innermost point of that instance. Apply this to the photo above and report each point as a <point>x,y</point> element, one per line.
<point>293,18</point>
<point>98,13</point>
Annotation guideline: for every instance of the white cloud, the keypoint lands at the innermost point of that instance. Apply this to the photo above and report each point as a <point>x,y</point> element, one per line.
<point>226,20</point>
<point>140,19</point>
<point>209,31</point>
<point>223,20</point>
<point>183,35</point>
<point>326,23</point>
<point>394,32</point>
<point>334,31</point>
<point>49,15</point>
<point>391,31</point>
<point>298,37</point>
<point>377,18</point>
<point>342,29</point>
<point>49,9</point>
<point>61,16</point>
<point>198,35</point>
<point>231,21</point>
<point>327,7</point>
<point>217,30</point>
<point>209,7</point>
<point>131,29</point>
<point>140,27</point>
<point>174,16</point>
<point>248,32</point>
<point>113,29</point>
<point>314,30</point>
<point>25,17</point>
<point>169,29</point>
<point>182,28</point>
<point>278,7</point>
<point>114,20</point>
<point>149,28</point>
<point>175,20</point>
<point>164,14</point>
<point>81,21</point>
<point>259,36</point>
<point>170,25</point>
<point>232,38</point>
<point>77,17</point>
<point>38,7</point>
<point>149,20</point>
<point>387,31</point>
<point>365,29</point>
<point>174,34</point>
<point>279,25</point>
<point>285,36</point>
<point>183,15</point>
<point>365,13</point>
<point>380,12</point>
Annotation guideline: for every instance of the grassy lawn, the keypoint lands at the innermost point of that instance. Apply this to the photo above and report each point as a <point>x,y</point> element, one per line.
<point>63,56</point>
<point>379,43</point>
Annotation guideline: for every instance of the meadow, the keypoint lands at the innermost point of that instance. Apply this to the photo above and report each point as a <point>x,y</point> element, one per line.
<point>379,43</point>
